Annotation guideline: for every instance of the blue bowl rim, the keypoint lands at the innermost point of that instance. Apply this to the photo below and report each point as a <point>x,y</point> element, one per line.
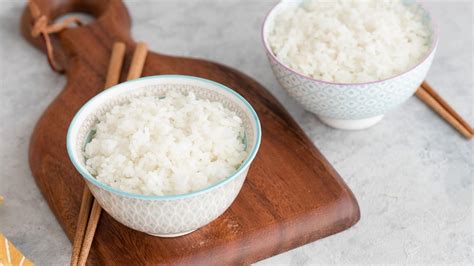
<point>85,174</point>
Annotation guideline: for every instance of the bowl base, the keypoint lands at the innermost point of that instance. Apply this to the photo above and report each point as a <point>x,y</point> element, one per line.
<point>356,124</point>
<point>172,235</point>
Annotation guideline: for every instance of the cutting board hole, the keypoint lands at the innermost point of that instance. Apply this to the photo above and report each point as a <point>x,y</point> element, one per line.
<point>85,18</point>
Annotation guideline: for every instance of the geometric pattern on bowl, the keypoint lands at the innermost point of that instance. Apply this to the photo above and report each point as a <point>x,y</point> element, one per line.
<point>172,215</point>
<point>350,101</point>
<point>169,217</point>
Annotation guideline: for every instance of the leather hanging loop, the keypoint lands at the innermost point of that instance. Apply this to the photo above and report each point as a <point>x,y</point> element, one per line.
<point>41,28</point>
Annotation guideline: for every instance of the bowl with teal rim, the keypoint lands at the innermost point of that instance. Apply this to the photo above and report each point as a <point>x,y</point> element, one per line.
<point>169,215</point>
<point>350,106</point>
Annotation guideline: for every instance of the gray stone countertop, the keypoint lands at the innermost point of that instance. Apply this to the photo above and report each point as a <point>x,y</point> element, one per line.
<point>412,173</point>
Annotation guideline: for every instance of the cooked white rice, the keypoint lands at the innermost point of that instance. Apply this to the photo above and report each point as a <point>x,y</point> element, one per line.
<point>166,146</point>
<point>350,41</point>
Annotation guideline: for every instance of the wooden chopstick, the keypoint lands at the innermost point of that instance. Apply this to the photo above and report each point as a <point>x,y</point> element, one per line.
<point>81,224</point>
<point>446,106</point>
<point>135,71</point>
<point>138,61</point>
<point>90,232</point>
<point>115,65</point>
<point>429,96</point>
<point>113,75</point>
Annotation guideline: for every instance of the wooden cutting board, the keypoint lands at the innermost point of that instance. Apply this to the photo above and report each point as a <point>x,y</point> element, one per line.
<point>292,194</point>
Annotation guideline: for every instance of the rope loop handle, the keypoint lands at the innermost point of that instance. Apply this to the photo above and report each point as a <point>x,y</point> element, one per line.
<point>41,28</point>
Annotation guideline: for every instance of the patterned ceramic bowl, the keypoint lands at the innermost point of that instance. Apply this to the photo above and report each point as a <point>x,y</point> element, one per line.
<point>348,105</point>
<point>165,216</point>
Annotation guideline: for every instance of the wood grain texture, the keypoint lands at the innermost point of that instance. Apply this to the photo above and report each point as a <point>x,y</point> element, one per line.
<point>292,195</point>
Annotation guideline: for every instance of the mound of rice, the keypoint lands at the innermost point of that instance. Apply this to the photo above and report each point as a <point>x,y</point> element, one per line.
<point>350,41</point>
<point>165,146</point>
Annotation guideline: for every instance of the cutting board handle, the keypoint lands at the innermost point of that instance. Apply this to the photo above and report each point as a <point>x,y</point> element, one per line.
<point>111,20</point>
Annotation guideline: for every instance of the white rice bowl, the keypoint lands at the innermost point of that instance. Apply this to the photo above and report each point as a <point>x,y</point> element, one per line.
<point>350,41</point>
<point>166,146</point>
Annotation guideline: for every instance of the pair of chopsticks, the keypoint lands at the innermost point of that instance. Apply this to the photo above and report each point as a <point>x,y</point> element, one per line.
<point>429,96</point>
<point>88,219</point>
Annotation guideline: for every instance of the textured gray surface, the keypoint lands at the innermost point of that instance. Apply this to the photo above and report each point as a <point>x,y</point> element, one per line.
<point>412,174</point>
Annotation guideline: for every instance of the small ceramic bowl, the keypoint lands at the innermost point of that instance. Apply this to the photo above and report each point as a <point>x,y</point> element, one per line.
<point>165,216</point>
<point>349,106</point>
